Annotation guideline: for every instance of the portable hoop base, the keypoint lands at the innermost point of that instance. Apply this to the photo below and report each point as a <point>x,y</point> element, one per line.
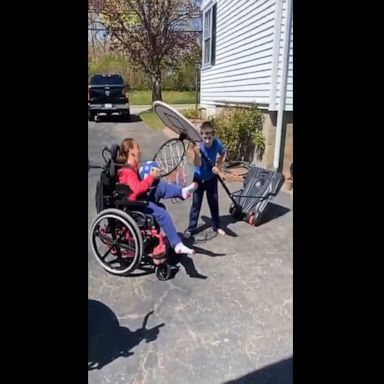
<point>260,186</point>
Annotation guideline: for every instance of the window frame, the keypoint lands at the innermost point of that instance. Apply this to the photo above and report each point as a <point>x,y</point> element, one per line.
<point>209,35</point>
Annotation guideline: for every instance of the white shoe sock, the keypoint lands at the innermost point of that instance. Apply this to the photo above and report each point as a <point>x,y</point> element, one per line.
<point>181,248</point>
<point>187,191</point>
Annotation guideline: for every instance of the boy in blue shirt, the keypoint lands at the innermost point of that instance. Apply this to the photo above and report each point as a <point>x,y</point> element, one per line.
<point>205,170</point>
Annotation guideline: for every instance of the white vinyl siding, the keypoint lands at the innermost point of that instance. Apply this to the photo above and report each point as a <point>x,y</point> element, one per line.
<point>289,87</point>
<point>242,70</point>
<point>244,43</point>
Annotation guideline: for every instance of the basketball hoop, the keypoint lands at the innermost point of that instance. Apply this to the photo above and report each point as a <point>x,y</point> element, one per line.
<point>171,156</point>
<point>178,175</point>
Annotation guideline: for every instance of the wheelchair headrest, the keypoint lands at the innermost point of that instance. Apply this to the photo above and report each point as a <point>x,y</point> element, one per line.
<point>114,166</point>
<point>114,151</point>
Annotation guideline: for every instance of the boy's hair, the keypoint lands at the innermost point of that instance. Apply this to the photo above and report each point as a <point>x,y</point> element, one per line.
<point>207,125</point>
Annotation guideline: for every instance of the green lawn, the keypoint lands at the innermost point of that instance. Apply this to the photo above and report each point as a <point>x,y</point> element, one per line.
<point>169,97</point>
<point>150,119</point>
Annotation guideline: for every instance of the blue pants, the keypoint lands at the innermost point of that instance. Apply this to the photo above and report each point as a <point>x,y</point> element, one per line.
<point>209,186</point>
<point>163,190</point>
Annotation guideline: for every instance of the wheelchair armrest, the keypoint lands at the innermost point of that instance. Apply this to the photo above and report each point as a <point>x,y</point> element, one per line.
<point>122,189</point>
<point>132,204</point>
<point>122,192</point>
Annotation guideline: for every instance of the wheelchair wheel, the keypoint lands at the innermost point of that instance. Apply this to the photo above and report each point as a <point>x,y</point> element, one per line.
<point>163,271</point>
<point>116,241</point>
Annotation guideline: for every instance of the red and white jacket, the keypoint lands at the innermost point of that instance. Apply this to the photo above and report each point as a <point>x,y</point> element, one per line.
<point>129,176</point>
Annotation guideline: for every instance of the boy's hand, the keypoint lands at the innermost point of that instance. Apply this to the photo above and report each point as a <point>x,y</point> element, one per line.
<point>196,148</point>
<point>155,172</point>
<point>216,170</point>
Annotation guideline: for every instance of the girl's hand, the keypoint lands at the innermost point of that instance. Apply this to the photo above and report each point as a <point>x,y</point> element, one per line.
<point>155,172</point>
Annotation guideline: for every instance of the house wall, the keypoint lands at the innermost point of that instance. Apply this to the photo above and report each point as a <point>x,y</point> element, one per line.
<point>244,48</point>
<point>269,132</point>
<point>248,68</point>
<point>283,37</point>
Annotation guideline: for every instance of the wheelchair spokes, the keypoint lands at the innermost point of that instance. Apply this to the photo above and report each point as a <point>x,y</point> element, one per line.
<point>120,246</point>
<point>115,243</point>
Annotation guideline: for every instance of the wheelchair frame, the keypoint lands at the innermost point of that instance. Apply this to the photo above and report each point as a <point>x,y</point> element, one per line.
<point>132,237</point>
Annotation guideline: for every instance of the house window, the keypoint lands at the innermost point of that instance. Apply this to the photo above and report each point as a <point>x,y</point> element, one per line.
<point>209,36</point>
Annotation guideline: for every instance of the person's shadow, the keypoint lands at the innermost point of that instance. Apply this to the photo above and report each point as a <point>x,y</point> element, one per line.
<point>107,340</point>
<point>224,222</point>
<point>176,260</point>
<point>187,261</point>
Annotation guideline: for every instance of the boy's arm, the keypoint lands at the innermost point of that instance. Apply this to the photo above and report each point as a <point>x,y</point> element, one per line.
<point>219,165</point>
<point>220,161</point>
<point>195,155</point>
<point>218,168</point>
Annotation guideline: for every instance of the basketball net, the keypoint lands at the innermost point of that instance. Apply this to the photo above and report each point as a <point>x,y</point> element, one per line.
<point>179,175</point>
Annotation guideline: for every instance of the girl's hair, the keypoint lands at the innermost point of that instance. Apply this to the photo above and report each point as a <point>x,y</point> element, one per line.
<point>125,146</point>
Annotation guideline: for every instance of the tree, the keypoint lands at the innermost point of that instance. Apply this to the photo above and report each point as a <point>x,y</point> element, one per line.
<point>154,33</point>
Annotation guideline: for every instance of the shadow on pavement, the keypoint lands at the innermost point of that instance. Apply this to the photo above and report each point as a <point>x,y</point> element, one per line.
<point>187,263</point>
<point>272,211</point>
<point>107,340</point>
<point>278,373</point>
<point>201,235</point>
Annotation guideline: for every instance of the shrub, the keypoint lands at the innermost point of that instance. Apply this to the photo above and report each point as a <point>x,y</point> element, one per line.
<point>191,113</point>
<point>240,130</point>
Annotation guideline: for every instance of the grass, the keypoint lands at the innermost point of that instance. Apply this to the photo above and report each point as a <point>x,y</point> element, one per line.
<point>149,118</point>
<point>170,97</point>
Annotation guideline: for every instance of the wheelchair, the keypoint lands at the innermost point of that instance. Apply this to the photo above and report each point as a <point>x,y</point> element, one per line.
<point>123,237</point>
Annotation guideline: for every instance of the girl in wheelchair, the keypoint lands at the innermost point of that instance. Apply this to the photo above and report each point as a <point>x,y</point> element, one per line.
<point>154,189</point>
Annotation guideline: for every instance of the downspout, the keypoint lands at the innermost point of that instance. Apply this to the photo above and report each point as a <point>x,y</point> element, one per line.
<point>275,54</point>
<point>283,86</point>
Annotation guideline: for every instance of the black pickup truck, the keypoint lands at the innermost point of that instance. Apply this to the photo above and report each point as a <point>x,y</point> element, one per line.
<point>107,95</point>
